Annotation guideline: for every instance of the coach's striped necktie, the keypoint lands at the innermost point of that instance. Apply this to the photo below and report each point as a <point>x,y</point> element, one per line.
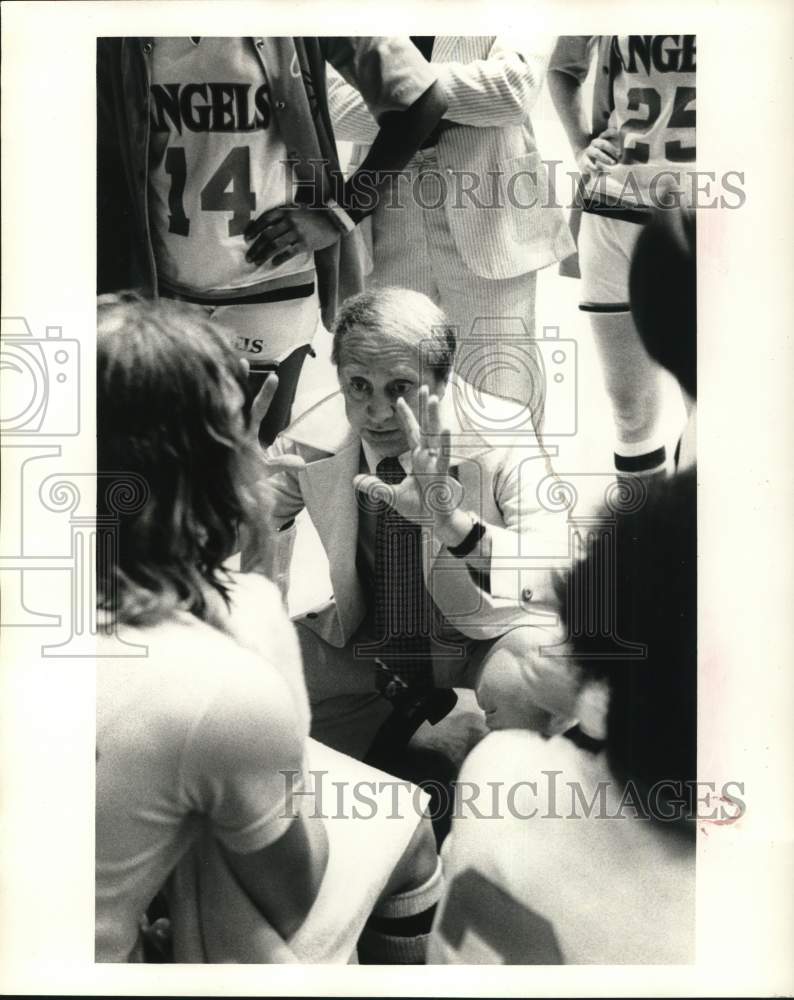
<point>403,606</point>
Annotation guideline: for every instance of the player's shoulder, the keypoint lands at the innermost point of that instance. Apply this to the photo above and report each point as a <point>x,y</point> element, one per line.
<point>255,595</point>
<point>514,753</point>
<point>529,772</point>
<point>174,675</point>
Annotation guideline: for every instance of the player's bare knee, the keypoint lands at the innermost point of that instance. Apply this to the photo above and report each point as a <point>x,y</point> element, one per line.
<point>418,862</point>
<point>520,687</point>
<point>425,852</point>
<point>500,690</point>
<point>502,672</point>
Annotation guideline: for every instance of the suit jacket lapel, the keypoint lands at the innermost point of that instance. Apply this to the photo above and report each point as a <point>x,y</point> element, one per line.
<point>331,503</point>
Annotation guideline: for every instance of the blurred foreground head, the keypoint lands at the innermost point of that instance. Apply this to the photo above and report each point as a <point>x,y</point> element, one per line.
<point>663,293</point>
<point>170,394</point>
<point>651,722</point>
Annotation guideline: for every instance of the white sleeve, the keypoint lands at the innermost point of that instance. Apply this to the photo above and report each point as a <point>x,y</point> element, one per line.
<point>389,72</point>
<point>349,114</point>
<point>572,55</point>
<point>259,622</point>
<point>491,857</point>
<point>243,758</point>
<point>499,90</point>
<point>532,536</point>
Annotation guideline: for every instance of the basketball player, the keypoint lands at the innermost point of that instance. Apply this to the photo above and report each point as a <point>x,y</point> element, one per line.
<point>593,861</point>
<point>641,139</point>
<point>202,751</point>
<point>228,193</point>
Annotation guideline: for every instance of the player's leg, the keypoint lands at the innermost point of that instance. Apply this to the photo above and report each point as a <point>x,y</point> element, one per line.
<point>279,413</point>
<point>632,379</point>
<point>399,927</point>
<point>346,714</point>
<point>382,879</point>
<point>273,336</point>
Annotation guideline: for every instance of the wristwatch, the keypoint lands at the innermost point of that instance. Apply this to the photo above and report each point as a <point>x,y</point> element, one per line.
<point>339,217</point>
<point>469,543</point>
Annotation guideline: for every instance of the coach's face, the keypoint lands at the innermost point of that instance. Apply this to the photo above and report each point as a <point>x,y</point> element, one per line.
<point>374,372</point>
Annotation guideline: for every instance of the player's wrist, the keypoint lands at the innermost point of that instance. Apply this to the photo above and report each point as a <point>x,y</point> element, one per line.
<point>341,219</point>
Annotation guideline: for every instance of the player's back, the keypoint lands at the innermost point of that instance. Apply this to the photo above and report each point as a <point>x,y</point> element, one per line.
<point>194,732</point>
<point>546,883</point>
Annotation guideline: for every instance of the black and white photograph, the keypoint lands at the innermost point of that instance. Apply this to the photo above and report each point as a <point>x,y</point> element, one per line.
<point>361,530</point>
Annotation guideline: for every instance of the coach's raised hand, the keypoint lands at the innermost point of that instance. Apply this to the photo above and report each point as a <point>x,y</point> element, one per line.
<point>281,233</point>
<point>429,491</point>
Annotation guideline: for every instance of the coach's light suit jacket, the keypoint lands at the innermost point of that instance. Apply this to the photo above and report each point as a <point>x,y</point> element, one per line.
<point>505,479</point>
<point>490,86</point>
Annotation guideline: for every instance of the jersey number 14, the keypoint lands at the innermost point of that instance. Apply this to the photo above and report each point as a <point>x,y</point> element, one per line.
<point>228,190</point>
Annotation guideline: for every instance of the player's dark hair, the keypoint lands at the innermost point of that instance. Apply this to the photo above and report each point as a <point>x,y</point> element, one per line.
<point>663,293</point>
<point>403,316</point>
<point>652,713</point>
<point>166,418</point>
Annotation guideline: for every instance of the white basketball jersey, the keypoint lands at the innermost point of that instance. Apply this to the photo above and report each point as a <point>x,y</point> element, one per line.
<point>216,162</point>
<point>547,864</point>
<point>653,90</point>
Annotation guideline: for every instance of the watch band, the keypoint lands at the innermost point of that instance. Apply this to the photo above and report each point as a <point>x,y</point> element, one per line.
<point>340,217</point>
<point>469,543</point>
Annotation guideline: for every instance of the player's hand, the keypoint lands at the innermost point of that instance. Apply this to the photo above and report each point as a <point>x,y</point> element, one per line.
<point>281,233</point>
<point>429,491</point>
<point>259,409</point>
<point>261,403</point>
<point>601,154</point>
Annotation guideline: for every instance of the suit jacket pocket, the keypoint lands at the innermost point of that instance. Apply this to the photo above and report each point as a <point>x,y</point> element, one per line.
<point>531,210</point>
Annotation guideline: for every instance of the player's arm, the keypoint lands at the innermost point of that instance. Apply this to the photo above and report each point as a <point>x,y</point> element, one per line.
<point>568,68</point>
<point>266,548</point>
<point>243,766</point>
<point>404,97</point>
<point>116,222</point>
<point>499,90</point>
<point>567,71</point>
<point>282,880</point>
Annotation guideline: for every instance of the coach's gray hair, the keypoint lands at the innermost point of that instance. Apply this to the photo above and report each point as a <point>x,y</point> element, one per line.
<point>400,316</point>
